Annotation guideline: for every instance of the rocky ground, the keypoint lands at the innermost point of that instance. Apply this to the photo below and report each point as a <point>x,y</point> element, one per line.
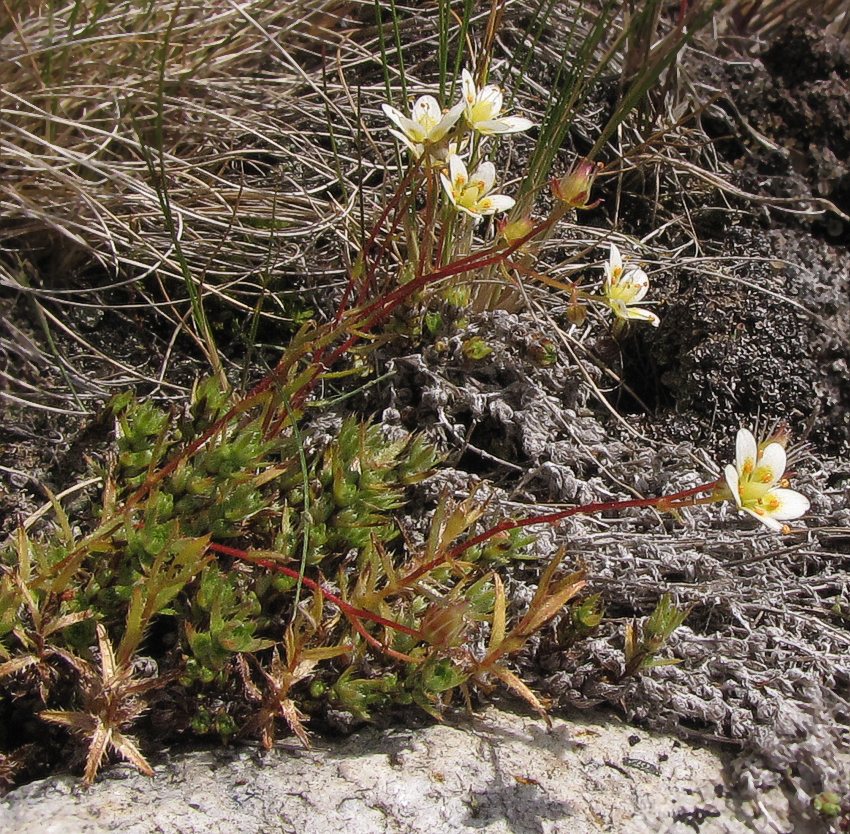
<point>502,772</point>
<point>755,327</point>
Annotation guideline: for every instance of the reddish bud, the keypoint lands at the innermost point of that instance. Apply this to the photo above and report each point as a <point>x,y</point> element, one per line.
<point>576,314</point>
<point>574,187</point>
<point>515,230</point>
<point>781,435</point>
<point>444,623</point>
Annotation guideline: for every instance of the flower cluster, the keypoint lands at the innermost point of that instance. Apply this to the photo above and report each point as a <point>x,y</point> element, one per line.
<point>430,132</point>
<point>450,145</point>
<point>757,482</point>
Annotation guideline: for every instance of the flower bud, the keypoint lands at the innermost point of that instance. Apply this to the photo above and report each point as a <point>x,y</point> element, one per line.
<point>444,623</point>
<point>542,351</point>
<point>576,313</point>
<point>781,435</point>
<point>574,187</point>
<point>515,230</point>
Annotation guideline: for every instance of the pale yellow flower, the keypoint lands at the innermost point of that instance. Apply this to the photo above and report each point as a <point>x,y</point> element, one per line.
<point>482,108</point>
<point>623,289</point>
<point>755,479</point>
<point>471,194</point>
<point>426,126</point>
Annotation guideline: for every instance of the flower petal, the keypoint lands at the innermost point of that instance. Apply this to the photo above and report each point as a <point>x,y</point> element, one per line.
<point>771,465</point>
<point>493,95</point>
<point>489,104</point>
<point>467,84</point>
<point>764,519</point>
<point>426,111</point>
<point>495,202</point>
<point>445,124</point>
<point>503,126</point>
<point>470,211</point>
<point>415,149</point>
<point>457,172</point>
<point>447,185</point>
<point>731,474</point>
<point>642,314</point>
<point>746,452</point>
<point>614,267</point>
<point>413,130</point>
<point>484,177</point>
<point>517,123</point>
<point>637,282</point>
<point>787,504</point>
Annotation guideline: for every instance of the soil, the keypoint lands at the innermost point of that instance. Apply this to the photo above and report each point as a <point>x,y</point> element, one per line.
<point>788,352</point>
<point>765,651</point>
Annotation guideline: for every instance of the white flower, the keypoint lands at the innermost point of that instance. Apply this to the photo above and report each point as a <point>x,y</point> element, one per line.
<point>624,289</point>
<point>754,482</point>
<point>426,126</point>
<point>471,194</point>
<point>483,106</point>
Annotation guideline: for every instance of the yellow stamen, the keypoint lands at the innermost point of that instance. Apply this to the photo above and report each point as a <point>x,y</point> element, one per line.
<point>771,503</point>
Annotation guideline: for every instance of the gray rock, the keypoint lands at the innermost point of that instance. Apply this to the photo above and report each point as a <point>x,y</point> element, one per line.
<point>501,773</point>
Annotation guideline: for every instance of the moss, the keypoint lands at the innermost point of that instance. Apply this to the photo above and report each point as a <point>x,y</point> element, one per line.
<point>247,635</point>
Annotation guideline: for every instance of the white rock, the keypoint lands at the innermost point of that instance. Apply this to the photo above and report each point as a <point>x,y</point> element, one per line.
<point>500,773</point>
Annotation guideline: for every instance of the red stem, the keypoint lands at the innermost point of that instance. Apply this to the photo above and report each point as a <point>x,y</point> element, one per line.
<point>362,295</point>
<point>548,518</point>
<point>373,234</point>
<point>376,312</point>
<point>350,611</point>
